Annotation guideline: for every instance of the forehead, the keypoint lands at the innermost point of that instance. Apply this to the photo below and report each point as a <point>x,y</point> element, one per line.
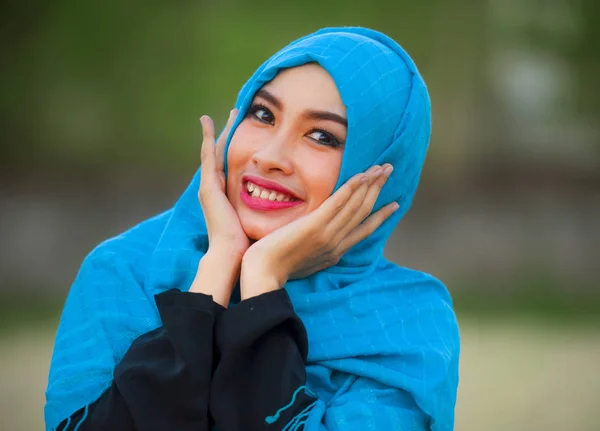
<point>308,85</point>
<point>306,72</point>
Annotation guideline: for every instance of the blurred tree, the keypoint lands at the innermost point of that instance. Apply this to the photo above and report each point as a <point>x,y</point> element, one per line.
<point>94,87</point>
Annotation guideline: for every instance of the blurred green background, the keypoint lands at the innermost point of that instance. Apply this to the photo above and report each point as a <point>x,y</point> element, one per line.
<point>99,108</point>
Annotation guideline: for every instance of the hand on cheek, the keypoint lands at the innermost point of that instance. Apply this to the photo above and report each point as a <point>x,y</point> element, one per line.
<point>219,268</point>
<point>319,239</point>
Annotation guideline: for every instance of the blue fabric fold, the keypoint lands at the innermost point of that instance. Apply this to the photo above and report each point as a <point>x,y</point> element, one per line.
<point>383,340</point>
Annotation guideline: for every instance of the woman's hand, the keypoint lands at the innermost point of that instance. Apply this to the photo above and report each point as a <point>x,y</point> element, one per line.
<point>227,242</point>
<point>225,232</point>
<point>319,239</point>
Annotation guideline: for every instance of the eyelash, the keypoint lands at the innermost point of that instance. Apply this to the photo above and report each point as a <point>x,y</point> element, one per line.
<point>255,107</point>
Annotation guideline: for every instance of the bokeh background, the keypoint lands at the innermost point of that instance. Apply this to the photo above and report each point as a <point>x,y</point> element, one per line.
<point>99,108</point>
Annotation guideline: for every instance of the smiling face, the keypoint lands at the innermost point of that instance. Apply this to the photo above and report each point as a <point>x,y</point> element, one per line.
<point>284,158</point>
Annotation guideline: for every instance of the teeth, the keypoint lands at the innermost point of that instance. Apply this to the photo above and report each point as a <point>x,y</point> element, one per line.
<point>271,195</point>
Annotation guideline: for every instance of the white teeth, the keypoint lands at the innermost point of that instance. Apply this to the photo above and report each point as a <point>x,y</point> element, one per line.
<point>271,195</point>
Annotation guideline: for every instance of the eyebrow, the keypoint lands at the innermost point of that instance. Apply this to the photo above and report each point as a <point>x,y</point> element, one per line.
<point>317,115</point>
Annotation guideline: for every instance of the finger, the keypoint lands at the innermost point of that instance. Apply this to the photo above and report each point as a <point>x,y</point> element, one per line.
<point>341,223</point>
<point>220,150</point>
<point>367,227</point>
<point>207,152</point>
<point>372,194</point>
<point>336,202</point>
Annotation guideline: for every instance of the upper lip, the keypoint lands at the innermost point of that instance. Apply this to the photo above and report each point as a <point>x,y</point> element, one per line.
<point>268,184</point>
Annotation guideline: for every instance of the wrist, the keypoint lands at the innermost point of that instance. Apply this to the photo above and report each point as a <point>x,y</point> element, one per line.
<point>216,276</point>
<point>225,254</point>
<point>255,281</point>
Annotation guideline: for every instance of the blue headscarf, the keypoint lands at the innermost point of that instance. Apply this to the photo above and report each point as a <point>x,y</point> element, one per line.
<point>383,340</point>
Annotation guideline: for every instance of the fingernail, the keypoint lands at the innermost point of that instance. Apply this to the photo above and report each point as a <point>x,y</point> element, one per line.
<point>388,170</point>
<point>363,178</point>
<point>395,206</point>
<point>202,121</point>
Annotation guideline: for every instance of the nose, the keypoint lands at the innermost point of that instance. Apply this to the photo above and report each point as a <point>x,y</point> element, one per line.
<point>274,157</point>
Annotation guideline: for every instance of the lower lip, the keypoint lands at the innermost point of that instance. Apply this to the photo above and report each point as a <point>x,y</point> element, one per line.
<point>265,204</point>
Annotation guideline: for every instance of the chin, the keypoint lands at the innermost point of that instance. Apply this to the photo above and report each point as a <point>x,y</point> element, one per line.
<point>255,231</point>
<point>257,228</point>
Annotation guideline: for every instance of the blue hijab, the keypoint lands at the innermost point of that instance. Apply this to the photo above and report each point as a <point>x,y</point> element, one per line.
<point>383,340</point>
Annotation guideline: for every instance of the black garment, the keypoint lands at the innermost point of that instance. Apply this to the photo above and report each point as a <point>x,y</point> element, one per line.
<point>170,376</point>
<point>263,347</point>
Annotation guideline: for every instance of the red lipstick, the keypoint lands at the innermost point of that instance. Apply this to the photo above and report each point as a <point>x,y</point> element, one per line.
<point>271,185</point>
<point>260,204</point>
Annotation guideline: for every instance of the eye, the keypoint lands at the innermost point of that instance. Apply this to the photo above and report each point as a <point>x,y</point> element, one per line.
<point>262,114</point>
<point>325,138</point>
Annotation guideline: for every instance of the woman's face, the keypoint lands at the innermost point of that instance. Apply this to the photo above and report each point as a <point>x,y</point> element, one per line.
<point>284,158</point>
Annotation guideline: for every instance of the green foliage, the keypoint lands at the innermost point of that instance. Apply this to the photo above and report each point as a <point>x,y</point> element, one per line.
<point>113,84</point>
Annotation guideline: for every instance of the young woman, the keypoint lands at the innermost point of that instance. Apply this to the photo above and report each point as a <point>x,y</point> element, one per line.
<point>262,300</point>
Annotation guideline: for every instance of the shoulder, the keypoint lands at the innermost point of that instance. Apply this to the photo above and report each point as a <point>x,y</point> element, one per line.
<point>422,303</point>
<point>413,286</point>
<point>114,271</point>
<point>131,248</point>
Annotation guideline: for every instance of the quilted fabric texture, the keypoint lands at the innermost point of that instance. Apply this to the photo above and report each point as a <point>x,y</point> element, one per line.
<point>383,340</point>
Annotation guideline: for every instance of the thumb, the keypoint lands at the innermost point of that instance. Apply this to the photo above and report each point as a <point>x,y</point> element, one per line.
<point>220,150</point>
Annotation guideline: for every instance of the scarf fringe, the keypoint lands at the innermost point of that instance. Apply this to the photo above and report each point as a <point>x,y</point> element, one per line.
<point>300,418</point>
<point>85,414</point>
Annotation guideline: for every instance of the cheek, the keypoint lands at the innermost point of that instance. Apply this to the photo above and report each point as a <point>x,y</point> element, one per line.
<point>236,151</point>
<point>242,146</point>
<point>320,174</point>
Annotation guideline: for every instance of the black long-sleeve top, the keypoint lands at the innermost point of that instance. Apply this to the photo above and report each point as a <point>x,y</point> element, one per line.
<point>204,366</point>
